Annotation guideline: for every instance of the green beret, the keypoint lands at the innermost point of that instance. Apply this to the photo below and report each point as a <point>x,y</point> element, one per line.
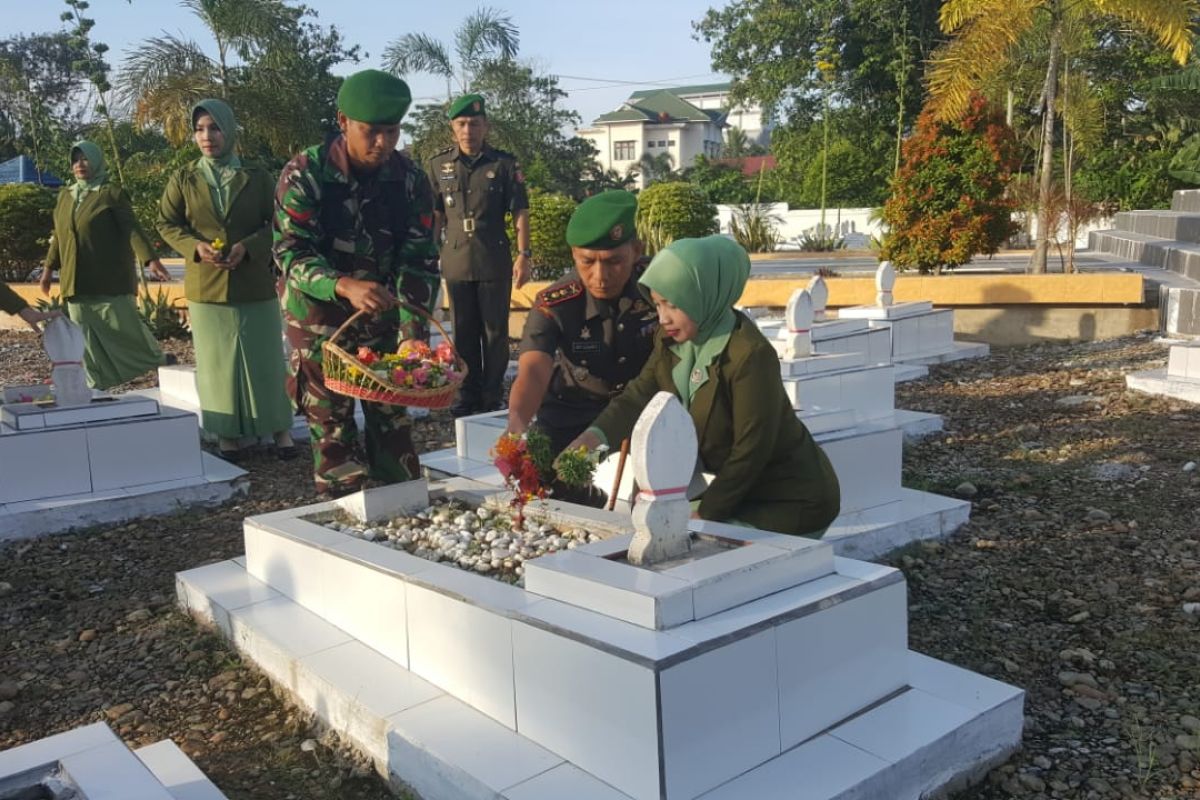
<point>604,221</point>
<point>469,105</point>
<point>374,97</point>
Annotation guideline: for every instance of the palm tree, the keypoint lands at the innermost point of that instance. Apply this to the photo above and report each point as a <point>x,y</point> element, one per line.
<point>657,167</point>
<point>485,35</point>
<point>736,143</point>
<point>986,33</point>
<point>167,74</point>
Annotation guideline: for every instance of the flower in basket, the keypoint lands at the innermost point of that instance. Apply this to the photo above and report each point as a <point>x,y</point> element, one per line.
<point>367,356</point>
<point>444,353</point>
<point>399,375</point>
<point>414,349</point>
<point>422,377</point>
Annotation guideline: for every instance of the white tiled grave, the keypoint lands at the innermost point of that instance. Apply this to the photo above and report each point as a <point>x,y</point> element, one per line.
<point>920,334</point>
<point>605,680</point>
<point>877,515</point>
<point>91,763</point>
<point>745,673</point>
<point>1180,379</point>
<point>114,459</point>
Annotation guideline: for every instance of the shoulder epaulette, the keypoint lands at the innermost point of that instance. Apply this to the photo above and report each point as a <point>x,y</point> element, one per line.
<point>444,151</point>
<point>553,295</point>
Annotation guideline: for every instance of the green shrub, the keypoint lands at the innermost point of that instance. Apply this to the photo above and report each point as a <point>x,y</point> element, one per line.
<point>161,316</point>
<point>820,241</point>
<point>948,202</point>
<point>549,214</point>
<point>26,220</point>
<point>755,228</point>
<point>673,210</point>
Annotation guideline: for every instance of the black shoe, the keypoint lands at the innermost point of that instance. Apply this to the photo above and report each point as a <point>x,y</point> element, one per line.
<point>286,453</point>
<point>170,359</point>
<point>232,456</point>
<point>463,409</point>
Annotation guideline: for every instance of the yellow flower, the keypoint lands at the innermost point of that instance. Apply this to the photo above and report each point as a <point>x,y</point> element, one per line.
<point>217,244</point>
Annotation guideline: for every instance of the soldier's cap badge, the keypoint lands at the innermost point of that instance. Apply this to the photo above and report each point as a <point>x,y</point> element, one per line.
<point>617,232</point>
<point>475,106</point>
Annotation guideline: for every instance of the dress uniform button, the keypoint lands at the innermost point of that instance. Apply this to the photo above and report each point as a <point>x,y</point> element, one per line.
<point>620,326</point>
<point>621,360</point>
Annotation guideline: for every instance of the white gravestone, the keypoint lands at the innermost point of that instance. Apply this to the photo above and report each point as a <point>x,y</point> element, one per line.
<point>64,345</point>
<point>885,283</point>
<point>798,320</point>
<point>819,291</point>
<point>664,455</point>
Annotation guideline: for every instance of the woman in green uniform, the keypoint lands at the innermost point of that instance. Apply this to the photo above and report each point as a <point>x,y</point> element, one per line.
<point>13,303</point>
<point>95,239</point>
<point>770,474</point>
<point>217,214</point>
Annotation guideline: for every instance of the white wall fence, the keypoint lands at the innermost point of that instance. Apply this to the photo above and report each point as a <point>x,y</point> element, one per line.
<point>857,225</point>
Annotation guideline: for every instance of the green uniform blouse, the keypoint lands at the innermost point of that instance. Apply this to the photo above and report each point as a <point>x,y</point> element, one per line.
<point>10,301</point>
<point>187,217</point>
<point>93,247</point>
<point>769,471</point>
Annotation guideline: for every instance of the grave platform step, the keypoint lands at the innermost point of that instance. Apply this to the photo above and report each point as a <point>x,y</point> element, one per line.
<point>1186,200</point>
<point>1173,255</point>
<point>182,779</point>
<point>942,732</point>
<point>1157,382</point>
<point>1183,226</point>
<point>961,351</point>
<point>219,482</point>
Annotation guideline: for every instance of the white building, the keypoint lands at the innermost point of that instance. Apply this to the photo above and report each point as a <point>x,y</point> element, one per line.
<point>749,118</point>
<point>652,123</point>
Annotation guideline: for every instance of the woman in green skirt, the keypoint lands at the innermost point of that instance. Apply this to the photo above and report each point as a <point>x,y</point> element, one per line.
<point>95,239</point>
<point>216,213</point>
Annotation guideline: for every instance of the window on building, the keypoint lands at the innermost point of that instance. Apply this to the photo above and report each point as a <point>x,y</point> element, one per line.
<point>662,142</point>
<point>671,143</point>
<point>624,151</point>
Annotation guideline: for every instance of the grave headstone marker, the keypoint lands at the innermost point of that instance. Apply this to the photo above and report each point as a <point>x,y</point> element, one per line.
<point>819,291</point>
<point>885,282</point>
<point>664,450</point>
<point>798,320</point>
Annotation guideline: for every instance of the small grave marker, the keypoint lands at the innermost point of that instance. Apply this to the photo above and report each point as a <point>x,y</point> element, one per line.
<point>664,456</point>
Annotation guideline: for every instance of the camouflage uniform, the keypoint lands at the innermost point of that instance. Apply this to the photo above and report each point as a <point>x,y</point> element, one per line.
<point>329,224</point>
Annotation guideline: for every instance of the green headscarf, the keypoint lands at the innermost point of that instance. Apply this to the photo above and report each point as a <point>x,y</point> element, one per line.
<point>218,171</point>
<point>95,159</point>
<point>703,278</point>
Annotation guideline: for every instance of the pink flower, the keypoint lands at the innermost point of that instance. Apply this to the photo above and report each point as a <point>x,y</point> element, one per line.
<point>420,376</point>
<point>445,353</point>
<point>398,375</point>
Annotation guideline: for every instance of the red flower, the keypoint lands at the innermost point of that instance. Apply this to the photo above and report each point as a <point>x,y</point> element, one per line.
<point>367,356</point>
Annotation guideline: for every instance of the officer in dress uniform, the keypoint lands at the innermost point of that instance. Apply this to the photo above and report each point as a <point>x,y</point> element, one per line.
<point>474,186</point>
<point>588,334</point>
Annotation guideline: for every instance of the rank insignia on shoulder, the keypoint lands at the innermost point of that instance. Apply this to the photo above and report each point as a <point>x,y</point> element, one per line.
<point>560,294</point>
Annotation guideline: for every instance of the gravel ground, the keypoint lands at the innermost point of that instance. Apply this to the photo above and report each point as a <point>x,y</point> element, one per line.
<point>1071,581</point>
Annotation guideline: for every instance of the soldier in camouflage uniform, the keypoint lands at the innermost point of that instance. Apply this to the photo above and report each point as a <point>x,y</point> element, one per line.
<point>588,334</point>
<point>353,230</point>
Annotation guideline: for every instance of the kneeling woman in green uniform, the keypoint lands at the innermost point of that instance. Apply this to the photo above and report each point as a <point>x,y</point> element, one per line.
<point>770,474</point>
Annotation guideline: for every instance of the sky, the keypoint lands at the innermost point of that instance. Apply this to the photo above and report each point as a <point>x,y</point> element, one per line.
<point>601,50</point>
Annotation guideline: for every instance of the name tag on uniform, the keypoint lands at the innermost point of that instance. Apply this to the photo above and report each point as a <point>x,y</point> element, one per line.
<point>580,346</point>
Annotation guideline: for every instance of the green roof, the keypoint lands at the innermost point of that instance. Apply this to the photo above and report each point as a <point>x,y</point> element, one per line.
<point>701,88</point>
<point>661,105</point>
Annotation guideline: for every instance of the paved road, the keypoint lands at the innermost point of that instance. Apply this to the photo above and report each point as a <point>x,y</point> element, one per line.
<point>1004,262</point>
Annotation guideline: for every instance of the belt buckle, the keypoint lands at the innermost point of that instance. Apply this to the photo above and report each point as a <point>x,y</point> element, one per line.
<point>469,224</point>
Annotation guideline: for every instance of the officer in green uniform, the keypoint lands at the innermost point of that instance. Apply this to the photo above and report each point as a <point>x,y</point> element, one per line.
<point>588,334</point>
<point>474,186</point>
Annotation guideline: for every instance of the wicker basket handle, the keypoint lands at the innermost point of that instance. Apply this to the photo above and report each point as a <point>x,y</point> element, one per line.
<point>420,312</point>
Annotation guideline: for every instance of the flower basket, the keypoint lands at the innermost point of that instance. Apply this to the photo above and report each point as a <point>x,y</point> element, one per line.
<point>348,375</point>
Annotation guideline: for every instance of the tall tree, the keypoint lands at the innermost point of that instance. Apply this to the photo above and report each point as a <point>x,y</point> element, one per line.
<point>90,61</point>
<point>166,75</point>
<point>38,84</point>
<point>985,35</point>
<point>485,36</point>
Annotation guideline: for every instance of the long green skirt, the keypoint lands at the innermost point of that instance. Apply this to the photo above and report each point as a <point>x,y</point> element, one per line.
<point>239,368</point>
<point>118,346</point>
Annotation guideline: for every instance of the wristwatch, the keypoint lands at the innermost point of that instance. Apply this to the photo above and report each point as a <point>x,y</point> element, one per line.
<point>526,252</point>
